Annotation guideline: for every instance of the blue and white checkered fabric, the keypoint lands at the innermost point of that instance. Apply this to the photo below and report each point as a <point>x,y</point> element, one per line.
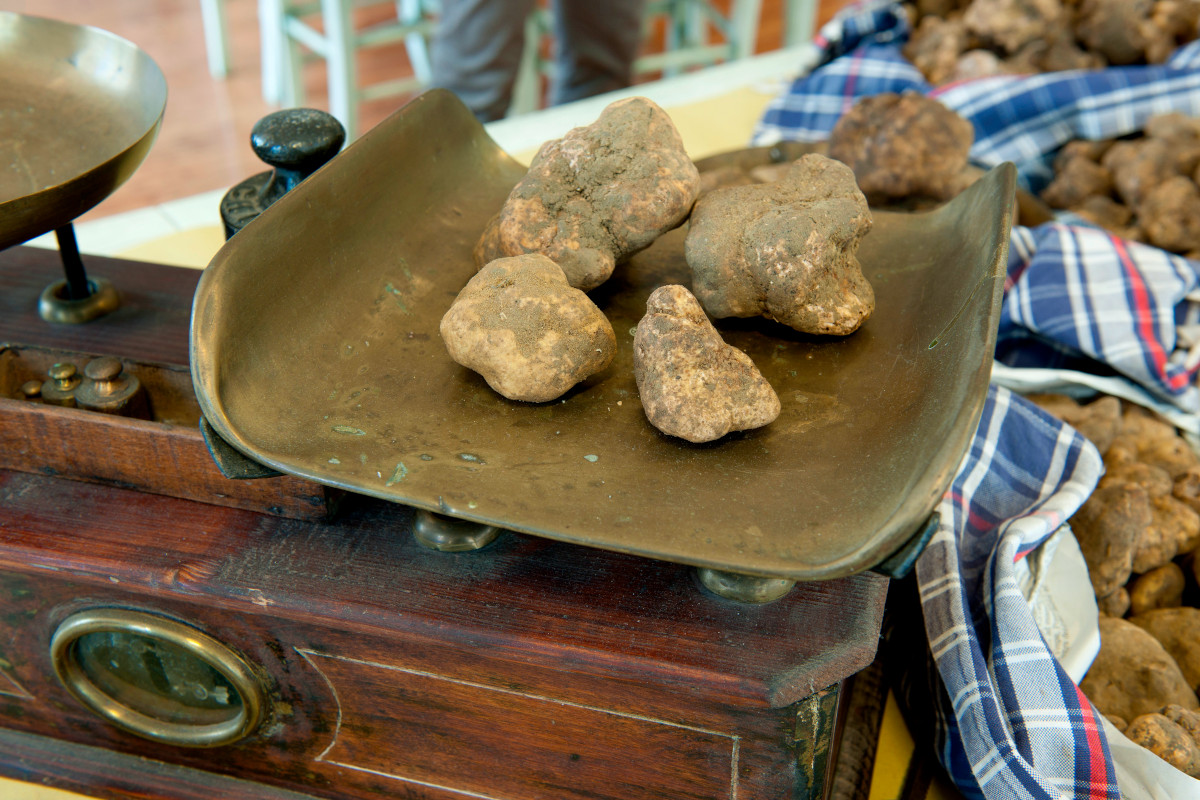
<point>1015,725</point>
<point>1079,298</point>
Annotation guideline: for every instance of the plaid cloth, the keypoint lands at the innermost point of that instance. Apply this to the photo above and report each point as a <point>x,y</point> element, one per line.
<point>1015,725</point>
<point>1011,723</point>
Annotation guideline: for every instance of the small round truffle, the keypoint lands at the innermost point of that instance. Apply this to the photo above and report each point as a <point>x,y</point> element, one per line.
<point>903,144</point>
<point>1161,587</point>
<point>1012,24</point>
<point>520,325</point>
<point>692,384</point>
<point>1076,180</point>
<point>1170,213</point>
<point>1108,214</point>
<point>1138,166</point>
<point>1132,674</point>
<point>784,250</point>
<point>935,46</point>
<point>1114,29</point>
<point>1167,740</point>
<point>598,195</point>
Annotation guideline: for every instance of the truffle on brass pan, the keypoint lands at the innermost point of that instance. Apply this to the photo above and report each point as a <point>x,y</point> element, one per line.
<point>784,250</point>
<point>903,144</point>
<point>520,325</point>
<point>692,384</point>
<point>598,195</point>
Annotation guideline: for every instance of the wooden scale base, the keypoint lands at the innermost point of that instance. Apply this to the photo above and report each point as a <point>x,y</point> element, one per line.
<point>358,663</point>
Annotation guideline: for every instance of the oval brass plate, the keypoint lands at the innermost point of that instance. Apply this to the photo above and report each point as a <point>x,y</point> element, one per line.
<point>315,350</point>
<point>157,677</point>
<point>79,109</point>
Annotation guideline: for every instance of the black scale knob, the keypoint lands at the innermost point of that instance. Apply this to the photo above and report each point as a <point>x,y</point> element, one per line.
<point>296,142</point>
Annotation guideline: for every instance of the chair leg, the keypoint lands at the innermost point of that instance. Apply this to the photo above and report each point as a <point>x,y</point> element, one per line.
<point>291,65</point>
<point>799,21</point>
<point>338,16</point>
<point>744,17</point>
<point>410,12</point>
<point>688,28</point>
<point>216,36</point>
<point>527,90</point>
<point>270,27</point>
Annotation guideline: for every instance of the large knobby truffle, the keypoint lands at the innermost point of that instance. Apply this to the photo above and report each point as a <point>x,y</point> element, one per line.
<point>692,384</point>
<point>598,195</point>
<point>520,325</point>
<point>784,250</point>
<point>903,144</point>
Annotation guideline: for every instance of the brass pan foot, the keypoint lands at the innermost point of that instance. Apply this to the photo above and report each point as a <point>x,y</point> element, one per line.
<point>53,306</point>
<point>743,588</point>
<point>451,535</point>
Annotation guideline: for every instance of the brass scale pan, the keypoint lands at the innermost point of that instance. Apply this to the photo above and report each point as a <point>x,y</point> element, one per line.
<point>315,351</point>
<point>79,109</point>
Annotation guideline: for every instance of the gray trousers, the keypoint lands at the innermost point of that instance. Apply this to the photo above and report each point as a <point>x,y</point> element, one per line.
<point>477,49</point>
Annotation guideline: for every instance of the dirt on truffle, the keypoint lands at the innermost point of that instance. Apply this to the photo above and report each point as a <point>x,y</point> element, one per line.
<point>520,325</point>
<point>598,195</point>
<point>692,384</point>
<point>784,250</point>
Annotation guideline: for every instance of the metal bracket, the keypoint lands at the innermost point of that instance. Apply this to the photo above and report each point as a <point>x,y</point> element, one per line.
<point>901,562</point>
<point>231,462</point>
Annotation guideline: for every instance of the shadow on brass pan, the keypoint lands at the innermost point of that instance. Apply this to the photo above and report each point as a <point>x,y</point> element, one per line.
<point>336,292</point>
<point>79,109</point>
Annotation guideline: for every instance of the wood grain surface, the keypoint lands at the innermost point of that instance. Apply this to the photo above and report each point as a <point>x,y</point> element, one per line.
<point>522,670</point>
<point>149,333</point>
<point>150,326</point>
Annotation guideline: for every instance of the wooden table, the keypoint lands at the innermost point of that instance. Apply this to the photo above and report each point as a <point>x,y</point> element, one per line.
<point>529,669</point>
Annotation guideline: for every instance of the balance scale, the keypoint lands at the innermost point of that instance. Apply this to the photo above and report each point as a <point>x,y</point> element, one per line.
<point>439,593</point>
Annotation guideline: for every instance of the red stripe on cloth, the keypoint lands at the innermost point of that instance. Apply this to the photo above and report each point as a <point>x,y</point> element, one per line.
<point>979,522</point>
<point>1098,778</point>
<point>851,77</point>
<point>945,87</point>
<point>1056,521</point>
<point>1011,280</point>
<point>1144,322</point>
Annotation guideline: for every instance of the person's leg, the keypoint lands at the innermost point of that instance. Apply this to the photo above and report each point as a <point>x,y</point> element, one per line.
<point>595,44</point>
<point>477,50</point>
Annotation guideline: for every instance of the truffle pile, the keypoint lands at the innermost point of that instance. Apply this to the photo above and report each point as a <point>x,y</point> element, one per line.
<point>590,200</point>
<point>1140,536</point>
<point>956,40</point>
<point>1142,188</point>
